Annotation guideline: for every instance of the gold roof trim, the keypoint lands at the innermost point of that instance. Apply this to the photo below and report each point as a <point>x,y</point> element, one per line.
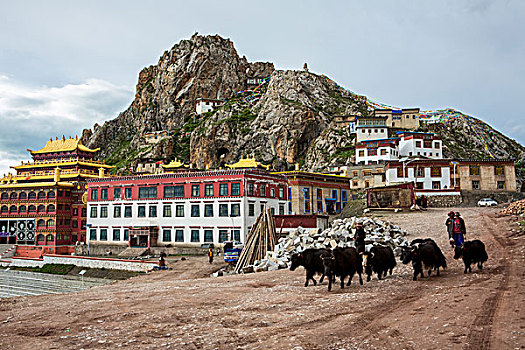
<point>248,163</point>
<point>74,162</point>
<point>175,164</point>
<point>36,184</point>
<point>64,145</point>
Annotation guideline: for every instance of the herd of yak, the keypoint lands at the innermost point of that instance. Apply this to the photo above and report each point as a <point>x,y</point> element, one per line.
<point>424,254</point>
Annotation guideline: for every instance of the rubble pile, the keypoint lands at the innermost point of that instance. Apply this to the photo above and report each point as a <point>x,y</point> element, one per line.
<point>515,208</point>
<point>341,234</point>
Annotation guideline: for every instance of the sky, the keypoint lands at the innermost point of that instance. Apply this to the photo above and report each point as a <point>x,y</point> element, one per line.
<point>66,65</point>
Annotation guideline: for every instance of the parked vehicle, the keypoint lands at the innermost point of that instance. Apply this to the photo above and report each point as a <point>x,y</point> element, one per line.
<point>487,202</point>
<point>232,250</point>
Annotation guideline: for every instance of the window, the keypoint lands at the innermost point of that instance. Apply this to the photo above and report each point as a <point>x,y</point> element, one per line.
<point>436,185</point>
<point>116,234</point>
<point>142,211</point>
<point>263,190</point>
<point>32,195</point>
<point>355,183</point>
<point>334,194</point>
<point>31,209</point>
<point>499,170</point>
<point>152,211</point>
<point>23,209</point>
<point>475,185</point>
<point>195,236</point>
<point>355,173</point>
<point>236,209</point>
<point>251,209</point>
<point>127,211</point>
<point>262,208</point>
<point>93,234</point>
<point>23,195</point>
<point>195,211</point>
<point>251,189</point>
<point>41,195</point>
<point>94,195</point>
<point>103,234</point>
<point>236,235</point>
<point>306,193</point>
<point>281,192</point>
<point>361,153</point>
<point>126,234</point>
<point>195,190</point>
<point>474,170</point>
<point>290,208</point>
<point>372,152</point>
<point>272,192</point>
<point>51,208</point>
<point>208,190</point>
<point>93,213</point>
<point>436,144</point>
<point>367,172</point>
<point>116,193</point>
<point>50,195</point>
<point>84,212</point>
<point>383,152</point>
<point>75,211</point>
<point>173,191</point>
<point>208,235</point>
<point>128,192</point>
<point>435,171</point>
<point>501,185</point>
<point>419,185</point>
<point>223,236</point>
<point>400,172</point>
<point>418,143</point>
<point>74,224</point>
<point>223,189</point>
<point>420,172</point>
<point>50,223</point>
<point>5,196</point>
<point>166,211</point>
<point>281,209</point>
<point>166,235</point>
<point>236,189</point>
<point>103,212</point>
<point>104,194</point>
<point>147,192</point>
<point>319,207</point>
<point>427,143</point>
<point>116,212</point>
<point>223,209</point>
<point>179,210</point>
<point>344,196</point>
<point>307,206</point>
<point>208,210</point>
<point>367,184</point>
<point>179,235</point>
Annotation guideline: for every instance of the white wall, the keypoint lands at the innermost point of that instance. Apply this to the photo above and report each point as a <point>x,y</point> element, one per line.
<point>391,154</point>
<point>408,148</point>
<point>371,133</point>
<point>444,179</point>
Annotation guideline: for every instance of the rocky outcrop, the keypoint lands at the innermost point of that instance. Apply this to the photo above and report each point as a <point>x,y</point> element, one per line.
<point>288,119</point>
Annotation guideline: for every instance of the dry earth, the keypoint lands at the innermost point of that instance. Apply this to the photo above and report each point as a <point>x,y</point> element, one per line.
<point>183,309</point>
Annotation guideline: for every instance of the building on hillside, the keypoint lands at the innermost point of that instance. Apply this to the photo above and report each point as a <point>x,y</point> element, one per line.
<point>406,118</point>
<point>42,205</point>
<point>348,122</point>
<point>149,166</point>
<point>315,193</point>
<point>366,176</point>
<point>156,136</point>
<point>371,128</point>
<point>203,105</point>
<point>376,151</point>
<point>427,174</point>
<point>485,174</point>
<point>419,144</point>
<point>183,208</point>
<point>255,81</point>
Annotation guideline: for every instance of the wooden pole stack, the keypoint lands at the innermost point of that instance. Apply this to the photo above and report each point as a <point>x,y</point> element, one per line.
<point>261,239</point>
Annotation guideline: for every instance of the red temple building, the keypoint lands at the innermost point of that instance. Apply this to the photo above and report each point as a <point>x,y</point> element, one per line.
<point>42,207</point>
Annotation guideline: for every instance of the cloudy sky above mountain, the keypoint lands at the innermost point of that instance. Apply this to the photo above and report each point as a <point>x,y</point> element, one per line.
<point>65,65</point>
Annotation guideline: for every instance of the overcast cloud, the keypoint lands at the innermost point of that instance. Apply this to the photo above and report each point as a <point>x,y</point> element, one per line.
<point>68,64</point>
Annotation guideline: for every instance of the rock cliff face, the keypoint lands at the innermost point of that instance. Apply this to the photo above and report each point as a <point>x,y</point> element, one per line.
<point>288,119</point>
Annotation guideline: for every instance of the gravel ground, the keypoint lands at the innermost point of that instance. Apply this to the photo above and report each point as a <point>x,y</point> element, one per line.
<point>184,309</point>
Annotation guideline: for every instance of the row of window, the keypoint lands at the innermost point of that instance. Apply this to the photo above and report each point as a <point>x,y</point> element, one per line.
<point>499,170</point>
<point>32,195</point>
<point>319,192</point>
<point>168,235</point>
<point>178,191</point>
<point>428,144</point>
<point>500,185</point>
<point>41,209</point>
<point>420,172</point>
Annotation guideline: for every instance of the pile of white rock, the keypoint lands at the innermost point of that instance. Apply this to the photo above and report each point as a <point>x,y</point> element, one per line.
<point>341,234</point>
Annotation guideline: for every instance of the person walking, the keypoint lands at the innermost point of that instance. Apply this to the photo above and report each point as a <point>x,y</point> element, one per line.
<point>210,255</point>
<point>450,225</point>
<point>359,238</point>
<point>459,230</point>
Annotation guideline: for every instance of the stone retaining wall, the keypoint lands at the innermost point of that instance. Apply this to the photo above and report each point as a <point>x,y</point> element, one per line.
<point>84,261</point>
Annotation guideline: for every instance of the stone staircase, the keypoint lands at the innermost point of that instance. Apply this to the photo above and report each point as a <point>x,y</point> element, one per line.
<point>131,252</point>
<point>20,283</point>
<point>7,251</point>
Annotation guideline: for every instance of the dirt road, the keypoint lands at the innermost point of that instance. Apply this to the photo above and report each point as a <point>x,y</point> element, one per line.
<point>182,309</point>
